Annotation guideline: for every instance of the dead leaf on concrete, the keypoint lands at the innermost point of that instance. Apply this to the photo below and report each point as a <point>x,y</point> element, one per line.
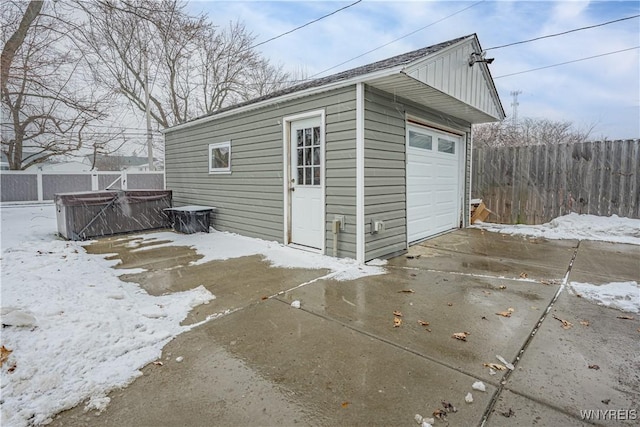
<point>397,313</point>
<point>596,367</point>
<point>345,404</point>
<point>158,363</point>
<point>565,323</point>
<point>440,414</point>
<point>413,256</point>
<point>502,287</point>
<point>423,323</point>
<point>407,291</point>
<point>508,413</point>
<point>625,317</point>
<point>397,322</point>
<point>4,354</point>
<point>606,401</point>
<point>504,313</point>
<point>462,336</point>
<point>450,304</point>
<point>448,406</point>
<point>495,366</point>
<point>523,275</point>
<point>486,292</point>
<point>584,322</point>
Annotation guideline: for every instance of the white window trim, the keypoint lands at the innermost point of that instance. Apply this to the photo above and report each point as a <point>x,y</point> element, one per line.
<point>218,171</point>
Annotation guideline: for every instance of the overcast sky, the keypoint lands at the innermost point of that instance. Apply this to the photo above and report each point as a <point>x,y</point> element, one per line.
<point>604,91</point>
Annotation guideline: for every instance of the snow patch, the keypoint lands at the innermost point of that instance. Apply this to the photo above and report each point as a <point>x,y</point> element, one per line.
<point>479,385</point>
<point>11,316</point>
<point>575,226</point>
<point>623,296</point>
<point>85,332</point>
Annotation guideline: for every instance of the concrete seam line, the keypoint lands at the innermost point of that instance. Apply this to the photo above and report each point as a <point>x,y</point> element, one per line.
<point>391,343</point>
<point>505,378</point>
<point>550,405</point>
<point>458,273</point>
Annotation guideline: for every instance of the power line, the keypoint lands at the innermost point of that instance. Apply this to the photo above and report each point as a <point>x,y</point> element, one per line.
<point>304,25</point>
<point>395,40</point>
<point>564,32</point>
<point>568,62</point>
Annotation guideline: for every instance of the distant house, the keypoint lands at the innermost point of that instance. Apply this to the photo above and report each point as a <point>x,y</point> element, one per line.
<point>374,158</point>
<point>28,154</point>
<point>119,163</point>
<point>70,166</point>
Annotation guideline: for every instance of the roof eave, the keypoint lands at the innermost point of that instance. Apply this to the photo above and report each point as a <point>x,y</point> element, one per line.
<point>290,96</point>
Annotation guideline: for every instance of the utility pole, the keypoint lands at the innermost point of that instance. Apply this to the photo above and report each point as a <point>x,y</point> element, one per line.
<point>148,111</point>
<point>515,104</point>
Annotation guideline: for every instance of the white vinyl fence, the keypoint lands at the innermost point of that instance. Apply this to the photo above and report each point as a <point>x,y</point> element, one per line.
<point>25,186</point>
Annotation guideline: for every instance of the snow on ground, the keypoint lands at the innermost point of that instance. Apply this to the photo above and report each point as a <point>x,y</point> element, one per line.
<point>223,245</point>
<point>84,332</point>
<point>621,295</point>
<point>574,226</point>
<point>76,331</point>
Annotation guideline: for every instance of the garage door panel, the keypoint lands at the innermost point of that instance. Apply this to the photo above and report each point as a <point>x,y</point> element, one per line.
<point>433,188</point>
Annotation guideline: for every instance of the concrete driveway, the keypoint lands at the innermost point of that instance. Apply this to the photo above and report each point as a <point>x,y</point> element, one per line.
<point>341,360</point>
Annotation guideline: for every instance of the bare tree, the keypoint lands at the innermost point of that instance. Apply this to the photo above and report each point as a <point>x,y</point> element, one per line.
<point>192,68</point>
<point>47,106</point>
<point>528,131</point>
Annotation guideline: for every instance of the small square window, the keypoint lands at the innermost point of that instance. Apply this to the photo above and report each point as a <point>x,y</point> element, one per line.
<point>220,157</point>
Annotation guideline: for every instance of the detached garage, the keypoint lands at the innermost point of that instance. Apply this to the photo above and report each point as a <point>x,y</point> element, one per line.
<point>359,164</point>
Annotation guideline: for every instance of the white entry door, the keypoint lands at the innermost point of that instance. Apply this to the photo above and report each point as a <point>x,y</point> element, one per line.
<point>434,184</point>
<point>307,177</point>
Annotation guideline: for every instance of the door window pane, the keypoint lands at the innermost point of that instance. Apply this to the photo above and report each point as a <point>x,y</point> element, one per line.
<point>300,156</point>
<point>316,156</point>
<point>307,137</point>
<point>300,176</point>
<point>316,176</point>
<point>307,156</point>
<point>307,176</point>
<point>446,146</point>
<point>299,138</point>
<point>316,136</point>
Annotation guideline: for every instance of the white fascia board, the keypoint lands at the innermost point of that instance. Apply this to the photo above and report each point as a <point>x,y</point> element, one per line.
<point>290,96</point>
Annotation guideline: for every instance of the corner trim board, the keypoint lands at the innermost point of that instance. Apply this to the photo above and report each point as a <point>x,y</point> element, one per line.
<point>360,252</point>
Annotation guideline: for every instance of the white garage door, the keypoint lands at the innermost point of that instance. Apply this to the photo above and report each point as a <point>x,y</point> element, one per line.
<point>433,182</point>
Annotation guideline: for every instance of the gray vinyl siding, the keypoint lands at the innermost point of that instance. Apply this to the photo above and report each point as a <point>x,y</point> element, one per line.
<point>250,199</point>
<point>384,171</point>
<point>385,167</point>
<point>340,172</point>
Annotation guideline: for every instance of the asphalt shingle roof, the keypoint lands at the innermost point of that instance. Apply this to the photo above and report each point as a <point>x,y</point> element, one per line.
<point>403,59</point>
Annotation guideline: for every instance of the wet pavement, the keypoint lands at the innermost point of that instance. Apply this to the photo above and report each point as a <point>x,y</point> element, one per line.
<point>340,359</point>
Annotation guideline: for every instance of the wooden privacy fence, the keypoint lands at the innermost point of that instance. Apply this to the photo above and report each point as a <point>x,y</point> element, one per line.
<point>534,184</point>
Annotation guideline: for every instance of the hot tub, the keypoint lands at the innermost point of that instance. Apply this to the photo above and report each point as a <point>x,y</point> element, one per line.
<point>81,216</point>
